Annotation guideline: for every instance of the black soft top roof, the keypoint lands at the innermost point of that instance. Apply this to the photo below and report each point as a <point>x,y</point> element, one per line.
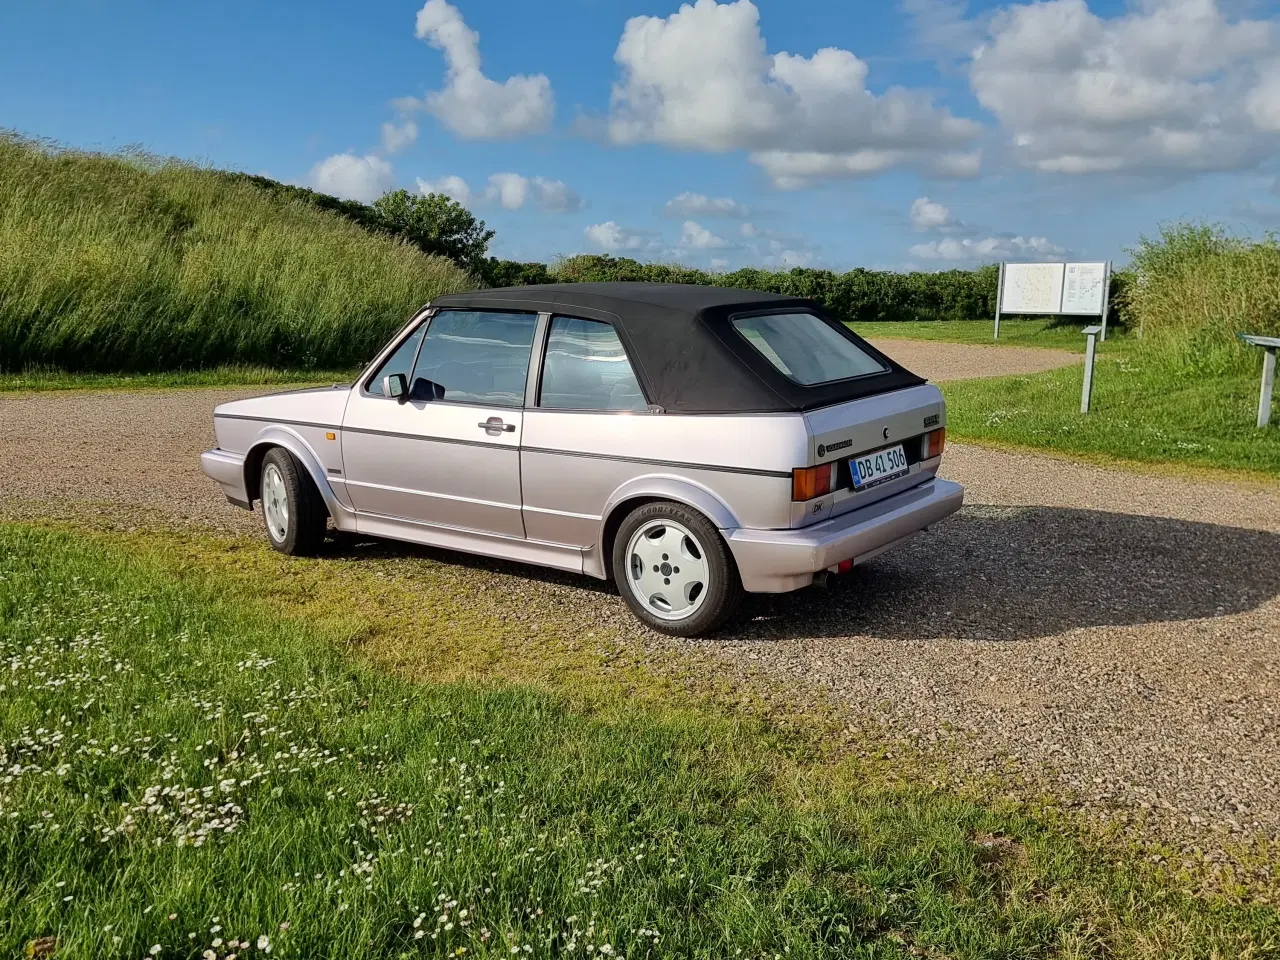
<point>688,356</point>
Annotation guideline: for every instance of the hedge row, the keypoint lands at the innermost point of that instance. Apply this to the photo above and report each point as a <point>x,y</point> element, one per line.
<point>857,296</point>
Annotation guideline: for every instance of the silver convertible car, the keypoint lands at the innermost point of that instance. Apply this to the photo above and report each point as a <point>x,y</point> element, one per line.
<point>689,442</point>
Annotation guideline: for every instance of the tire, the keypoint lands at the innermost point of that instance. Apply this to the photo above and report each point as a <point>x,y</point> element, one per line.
<point>680,601</point>
<point>293,512</point>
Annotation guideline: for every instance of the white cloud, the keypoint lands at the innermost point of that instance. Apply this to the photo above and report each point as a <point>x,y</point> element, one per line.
<point>718,264</point>
<point>702,79</point>
<point>612,238</point>
<point>1263,103</point>
<point>988,248</point>
<point>941,28</point>
<point>928,214</point>
<point>748,230</point>
<point>555,196</point>
<point>511,191</point>
<point>699,205</point>
<point>694,236</point>
<point>353,178</point>
<point>787,259</point>
<point>396,138</point>
<point>1168,86</point>
<point>471,104</point>
<point>455,188</point>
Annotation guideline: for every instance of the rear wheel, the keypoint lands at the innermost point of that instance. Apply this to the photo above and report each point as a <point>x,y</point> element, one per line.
<point>292,509</point>
<point>674,570</point>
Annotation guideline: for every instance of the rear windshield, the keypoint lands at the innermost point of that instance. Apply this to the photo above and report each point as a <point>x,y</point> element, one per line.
<point>805,348</point>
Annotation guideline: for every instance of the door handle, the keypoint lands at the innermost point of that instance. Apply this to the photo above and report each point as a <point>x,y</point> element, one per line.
<point>494,423</point>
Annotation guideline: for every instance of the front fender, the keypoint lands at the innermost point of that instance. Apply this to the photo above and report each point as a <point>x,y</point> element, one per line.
<point>278,435</point>
<point>654,487</point>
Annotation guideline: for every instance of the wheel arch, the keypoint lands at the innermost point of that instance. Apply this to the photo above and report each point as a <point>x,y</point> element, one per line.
<point>286,439</point>
<point>636,493</point>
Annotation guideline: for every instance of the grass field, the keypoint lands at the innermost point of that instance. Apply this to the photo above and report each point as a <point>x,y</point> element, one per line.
<point>186,771</point>
<point>1147,405</point>
<point>217,377</point>
<point>1140,410</point>
<point>127,264</point>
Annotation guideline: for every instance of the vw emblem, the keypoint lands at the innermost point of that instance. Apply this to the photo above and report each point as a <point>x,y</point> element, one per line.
<point>822,449</point>
<point>886,433</point>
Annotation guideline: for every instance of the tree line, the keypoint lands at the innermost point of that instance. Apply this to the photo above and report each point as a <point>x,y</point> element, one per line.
<point>436,224</point>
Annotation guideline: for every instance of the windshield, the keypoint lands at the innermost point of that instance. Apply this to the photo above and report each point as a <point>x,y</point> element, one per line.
<point>805,348</point>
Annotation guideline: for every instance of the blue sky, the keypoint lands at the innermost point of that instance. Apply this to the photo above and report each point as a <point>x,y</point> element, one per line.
<point>905,134</point>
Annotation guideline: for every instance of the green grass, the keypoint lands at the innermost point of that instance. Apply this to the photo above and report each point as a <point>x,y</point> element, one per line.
<point>1015,333</point>
<point>215,377</point>
<point>181,766</point>
<point>1145,407</point>
<point>127,264</point>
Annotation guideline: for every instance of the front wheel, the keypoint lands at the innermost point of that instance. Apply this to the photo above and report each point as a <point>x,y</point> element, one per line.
<point>292,510</point>
<point>674,570</point>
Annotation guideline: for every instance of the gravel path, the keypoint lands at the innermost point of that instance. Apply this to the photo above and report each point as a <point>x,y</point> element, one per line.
<point>966,361</point>
<point>1113,635</point>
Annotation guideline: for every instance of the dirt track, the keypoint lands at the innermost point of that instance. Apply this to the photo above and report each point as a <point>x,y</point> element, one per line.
<point>966,361</point>
<point>1114,634</point>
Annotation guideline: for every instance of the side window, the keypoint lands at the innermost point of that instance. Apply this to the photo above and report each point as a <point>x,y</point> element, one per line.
<point>586,369</point>
<point>475,356</point>
<point>401,361</point>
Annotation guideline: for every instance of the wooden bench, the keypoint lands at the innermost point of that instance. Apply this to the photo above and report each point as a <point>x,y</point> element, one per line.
<point>1270,345</point>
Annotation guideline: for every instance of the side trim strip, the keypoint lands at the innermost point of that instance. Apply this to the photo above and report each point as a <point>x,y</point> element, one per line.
<point>749,471</point>
<point>431,495</point>
<point>371,432</point>
<point>292,423</point>
<point>417,436</point>
<point>562,513</point>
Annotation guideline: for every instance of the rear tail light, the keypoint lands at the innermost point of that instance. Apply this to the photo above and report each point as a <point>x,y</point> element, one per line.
<point>810,482</point>
<point>935,443</point>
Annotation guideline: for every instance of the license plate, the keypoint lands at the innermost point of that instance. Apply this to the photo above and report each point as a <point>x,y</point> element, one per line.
<point>871,468</point>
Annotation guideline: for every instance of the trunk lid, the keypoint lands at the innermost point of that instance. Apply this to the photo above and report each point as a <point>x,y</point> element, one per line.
<point>847,430</point>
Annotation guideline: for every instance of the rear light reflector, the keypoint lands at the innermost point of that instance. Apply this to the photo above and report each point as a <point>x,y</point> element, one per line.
<point>844,566</point>
<point>935,443</point>
<point>810,482</point>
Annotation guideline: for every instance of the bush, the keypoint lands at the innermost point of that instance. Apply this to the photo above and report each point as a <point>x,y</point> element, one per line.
<point>435,224</point>
<point>857,296</point>
<point>513,273</point>
<point>1195,287</point>
<point>131,264</point>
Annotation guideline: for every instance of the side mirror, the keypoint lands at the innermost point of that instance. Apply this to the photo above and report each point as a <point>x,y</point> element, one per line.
<point>396,386</point>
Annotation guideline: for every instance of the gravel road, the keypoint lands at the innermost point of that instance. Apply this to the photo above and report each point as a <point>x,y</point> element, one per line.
<point>1113,635</point>
<point>966,361</point>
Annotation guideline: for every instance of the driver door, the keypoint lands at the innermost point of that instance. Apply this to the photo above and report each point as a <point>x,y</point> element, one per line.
<point>449,455</point>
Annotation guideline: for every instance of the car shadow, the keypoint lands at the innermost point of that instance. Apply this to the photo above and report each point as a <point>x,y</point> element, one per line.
<point>987,573</point>
<point>1019,573</point>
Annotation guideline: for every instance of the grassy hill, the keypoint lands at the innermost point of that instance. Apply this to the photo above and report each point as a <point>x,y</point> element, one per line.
<point>126,263</point>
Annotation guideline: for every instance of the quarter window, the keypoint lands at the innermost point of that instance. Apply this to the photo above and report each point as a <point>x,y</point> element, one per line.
<point>586,368</point>
<point>474,356</point>
<point>805,348</point>
<point>399,362</point>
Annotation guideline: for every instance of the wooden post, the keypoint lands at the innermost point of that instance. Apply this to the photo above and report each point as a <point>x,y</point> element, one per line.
<point>1268,385</point>
<point>1086,392</point>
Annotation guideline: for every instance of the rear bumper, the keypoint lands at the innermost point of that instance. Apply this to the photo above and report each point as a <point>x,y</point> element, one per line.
<point>775,561</point>
<point>228,469</point>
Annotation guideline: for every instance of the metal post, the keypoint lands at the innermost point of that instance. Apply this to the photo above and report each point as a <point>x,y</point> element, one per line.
<point>999,294</point>
<point>1086,392</point>
<point>1268,385</point>
<point>1106,301</point>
